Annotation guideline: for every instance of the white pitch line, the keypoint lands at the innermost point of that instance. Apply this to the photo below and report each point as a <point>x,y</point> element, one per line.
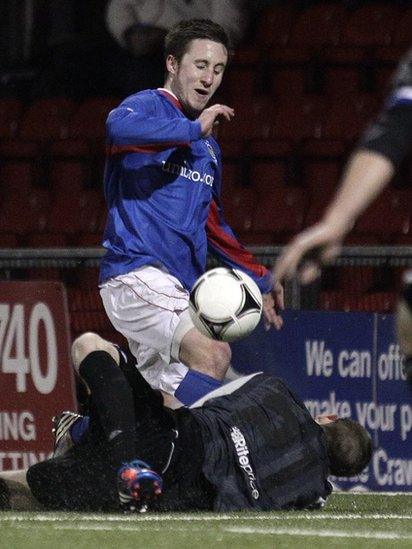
<point>201,518</point>
<point>296,532</point>
<point>317,533</point>
<point>369,493</point>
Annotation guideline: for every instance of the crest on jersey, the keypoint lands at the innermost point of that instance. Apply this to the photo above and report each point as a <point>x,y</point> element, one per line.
<point>211,151</point>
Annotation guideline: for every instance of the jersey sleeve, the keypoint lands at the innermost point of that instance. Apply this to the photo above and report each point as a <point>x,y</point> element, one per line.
<point>223,244</point>
<point>391,133</point>
<point>135,123</point>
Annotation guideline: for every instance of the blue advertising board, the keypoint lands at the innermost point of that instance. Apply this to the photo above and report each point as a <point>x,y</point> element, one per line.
<point>347,364</point>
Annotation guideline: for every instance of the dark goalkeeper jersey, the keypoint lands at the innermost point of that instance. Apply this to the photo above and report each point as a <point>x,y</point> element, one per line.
<point>262,449</point>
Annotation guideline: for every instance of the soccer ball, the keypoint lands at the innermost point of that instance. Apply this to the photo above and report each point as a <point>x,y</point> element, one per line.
<point>225,304</point>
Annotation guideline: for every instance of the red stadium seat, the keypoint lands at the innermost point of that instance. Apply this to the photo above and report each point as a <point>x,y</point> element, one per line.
<point>71,148</point>
<point>18,149</point>
<point>342,81</point>
<point>23,211</point>
<point>332,301</point>
<point>356,279</point>
<point>321,176</point>
<point>347,119</point>
<point>402,239</point>
<point>69,176</point>
<point>75,214</point>
<point>8,240</point>
<point>377,302</point>
<point>371,25</point>
<point>47,119</point>
<point>280,212</point>
<point>288,81</point>
<point>354,239</point>
<point>90,239</point>
<point>253,120</point>
<point>298,118</point>
<point>89,121</point>
<point>402,35</point>
<point>240,82</point>
<point>266,174</point>
<point>389,215</point>
<point>16,176</point>
<point>238,207</point>
<point>318,200</point>
<point>274,26</point>
<point>10,114</point>
<point>231,176</point>
<point>46,240</point>
<point>318,25</point>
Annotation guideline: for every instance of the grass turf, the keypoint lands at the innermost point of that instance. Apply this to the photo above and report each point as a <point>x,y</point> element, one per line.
<point>348,520</point>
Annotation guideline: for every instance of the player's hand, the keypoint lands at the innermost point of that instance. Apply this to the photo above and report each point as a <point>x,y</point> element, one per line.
<point>273,303</point>
<point>308,252</point>
<point>210,117</point>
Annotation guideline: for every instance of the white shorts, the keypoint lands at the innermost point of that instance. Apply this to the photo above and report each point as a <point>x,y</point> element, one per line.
<point>150,308</point>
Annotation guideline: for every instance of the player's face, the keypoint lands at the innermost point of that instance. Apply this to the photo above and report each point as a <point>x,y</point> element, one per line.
<point>195,78</point>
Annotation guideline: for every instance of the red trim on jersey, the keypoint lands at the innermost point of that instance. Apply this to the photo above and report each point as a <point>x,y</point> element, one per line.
<point>171,98</point>
<point>229,245</point>
<point>152,148</point>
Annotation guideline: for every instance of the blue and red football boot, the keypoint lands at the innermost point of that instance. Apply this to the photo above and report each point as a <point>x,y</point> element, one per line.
<point>138,485</point>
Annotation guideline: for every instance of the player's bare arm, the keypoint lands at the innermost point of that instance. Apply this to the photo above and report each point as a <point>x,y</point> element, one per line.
<point>210,117</point>
<point>365,177</point>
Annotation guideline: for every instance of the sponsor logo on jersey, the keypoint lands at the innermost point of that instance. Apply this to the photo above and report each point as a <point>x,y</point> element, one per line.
<point>211,151</point>
<point>242,452</point>
<point>193,175</point>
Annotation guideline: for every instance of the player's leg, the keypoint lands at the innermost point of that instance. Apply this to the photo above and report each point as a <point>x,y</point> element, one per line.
<point>97,362</point>
<point>208,362</point>
<point>149,307</point>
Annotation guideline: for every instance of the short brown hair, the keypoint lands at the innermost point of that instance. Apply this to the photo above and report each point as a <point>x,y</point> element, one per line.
<point>349,447</point>
<point>179,36</point>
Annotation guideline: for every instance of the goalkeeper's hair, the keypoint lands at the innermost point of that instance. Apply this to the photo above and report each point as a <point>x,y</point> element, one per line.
<point>179,36</point>
<point>349,447</point>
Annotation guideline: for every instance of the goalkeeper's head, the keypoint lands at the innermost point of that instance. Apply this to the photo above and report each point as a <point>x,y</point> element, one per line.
<point>349,447</point>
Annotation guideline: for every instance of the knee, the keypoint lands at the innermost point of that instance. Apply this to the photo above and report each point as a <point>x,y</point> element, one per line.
<point>218,359</point>
<point>82,346</point>
<point>88,343</point>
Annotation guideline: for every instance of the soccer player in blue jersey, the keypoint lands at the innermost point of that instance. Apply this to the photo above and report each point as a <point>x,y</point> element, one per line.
<point>162,186</point>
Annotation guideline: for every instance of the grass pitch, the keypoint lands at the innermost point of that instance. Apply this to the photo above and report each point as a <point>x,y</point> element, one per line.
<point>348,520</point>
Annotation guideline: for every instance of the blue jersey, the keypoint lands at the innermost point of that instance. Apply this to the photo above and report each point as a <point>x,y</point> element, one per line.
<point>162,187</point>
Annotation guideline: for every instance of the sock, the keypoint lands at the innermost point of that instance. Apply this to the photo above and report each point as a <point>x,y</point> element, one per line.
<point>195,385</point>
<point>79,427</point>
<point>113,399</point>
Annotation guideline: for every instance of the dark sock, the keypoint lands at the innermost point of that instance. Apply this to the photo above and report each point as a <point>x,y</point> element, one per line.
<point>113,399</point>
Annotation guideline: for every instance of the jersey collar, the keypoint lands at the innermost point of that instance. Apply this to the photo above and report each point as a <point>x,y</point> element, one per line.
<point>172,97</point>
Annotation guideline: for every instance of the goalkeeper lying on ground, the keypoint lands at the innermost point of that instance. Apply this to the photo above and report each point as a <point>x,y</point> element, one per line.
<point>251,444</point>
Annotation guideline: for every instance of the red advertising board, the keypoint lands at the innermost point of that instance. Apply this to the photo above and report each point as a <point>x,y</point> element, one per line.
<point>36,379</point>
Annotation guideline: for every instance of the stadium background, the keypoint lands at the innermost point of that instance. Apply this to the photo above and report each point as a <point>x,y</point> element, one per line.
<point>304,83</point>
